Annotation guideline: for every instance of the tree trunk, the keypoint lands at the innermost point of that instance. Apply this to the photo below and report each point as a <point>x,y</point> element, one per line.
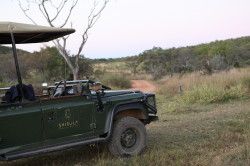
<point>76,74</point>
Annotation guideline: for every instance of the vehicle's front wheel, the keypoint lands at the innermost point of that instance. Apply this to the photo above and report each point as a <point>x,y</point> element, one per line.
<point>128,138</point>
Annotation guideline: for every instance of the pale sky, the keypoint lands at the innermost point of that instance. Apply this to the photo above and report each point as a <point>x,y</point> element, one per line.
<point>128,27</point>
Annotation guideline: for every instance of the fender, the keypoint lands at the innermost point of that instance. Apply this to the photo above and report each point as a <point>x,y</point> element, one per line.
<point>135,109</point>
<point>136,105</point>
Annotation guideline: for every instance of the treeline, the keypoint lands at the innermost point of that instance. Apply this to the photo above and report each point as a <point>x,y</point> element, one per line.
<point>218,55</point>
<point>44,65</point>
<point>207,58</point>
<point>48,65</point>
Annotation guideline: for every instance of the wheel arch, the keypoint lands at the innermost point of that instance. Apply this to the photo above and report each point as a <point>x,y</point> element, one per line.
<point>136,110</point>
<point>133,109</point>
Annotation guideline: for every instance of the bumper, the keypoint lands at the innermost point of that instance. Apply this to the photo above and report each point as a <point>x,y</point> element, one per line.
<point>2,158</point>
<point>150,104</point>
<point>152,118</point>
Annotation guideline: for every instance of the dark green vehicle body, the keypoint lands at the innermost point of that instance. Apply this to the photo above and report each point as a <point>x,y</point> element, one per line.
<point>58,123</point>
<point>50,122</point>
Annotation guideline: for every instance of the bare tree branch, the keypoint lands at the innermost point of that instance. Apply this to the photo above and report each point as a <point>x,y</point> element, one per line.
<point>61,44</point>
<point>64,53</point>
<point>24,10</point>
<point>45,13</point>
<point>59,9</point>
<point>70,11</point>
<point>92,19</point>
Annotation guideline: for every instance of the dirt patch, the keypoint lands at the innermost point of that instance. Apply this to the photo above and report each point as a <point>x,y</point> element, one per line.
<point>143,85</point>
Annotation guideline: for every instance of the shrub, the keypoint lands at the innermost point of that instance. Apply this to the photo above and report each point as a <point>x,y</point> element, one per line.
<point>98,73</point>
<point>246,83</point>
<point>116,81</point>
<point>205,94</point>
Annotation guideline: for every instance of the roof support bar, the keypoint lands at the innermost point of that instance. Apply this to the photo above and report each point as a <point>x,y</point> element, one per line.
<point>16,62</point>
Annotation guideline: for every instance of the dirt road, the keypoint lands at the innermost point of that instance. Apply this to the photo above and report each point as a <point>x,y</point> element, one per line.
<point>143,85</point>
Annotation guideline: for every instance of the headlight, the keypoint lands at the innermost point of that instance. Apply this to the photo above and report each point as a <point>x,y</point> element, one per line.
<point>151,100</point>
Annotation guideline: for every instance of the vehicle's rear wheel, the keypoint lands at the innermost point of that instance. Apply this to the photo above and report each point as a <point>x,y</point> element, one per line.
<point>128,138</point>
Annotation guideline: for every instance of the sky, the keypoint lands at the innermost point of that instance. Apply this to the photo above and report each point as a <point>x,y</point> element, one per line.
<point>128,27</point>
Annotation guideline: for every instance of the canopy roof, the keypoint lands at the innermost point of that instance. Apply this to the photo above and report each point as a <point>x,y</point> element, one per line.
<point>26,33</point>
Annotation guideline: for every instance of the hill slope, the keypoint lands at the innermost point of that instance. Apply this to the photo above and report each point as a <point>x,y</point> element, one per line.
<point>4,50</point>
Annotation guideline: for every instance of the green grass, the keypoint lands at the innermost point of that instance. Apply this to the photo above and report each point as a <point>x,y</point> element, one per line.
<point>211,134</point>
<point>206,94</point>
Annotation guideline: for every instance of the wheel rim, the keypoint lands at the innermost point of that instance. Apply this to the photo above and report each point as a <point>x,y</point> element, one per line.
<point>128,138</point>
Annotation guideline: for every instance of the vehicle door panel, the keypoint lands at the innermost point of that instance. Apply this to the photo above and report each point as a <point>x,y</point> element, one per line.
<point>20,125</point>
<point>101,118</point>
<point>67,117</point>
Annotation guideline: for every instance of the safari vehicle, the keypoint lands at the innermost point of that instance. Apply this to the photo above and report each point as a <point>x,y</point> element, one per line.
<point>71,113</point>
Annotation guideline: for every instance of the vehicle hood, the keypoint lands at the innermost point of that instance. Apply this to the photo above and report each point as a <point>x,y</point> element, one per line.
<point>109,93</point>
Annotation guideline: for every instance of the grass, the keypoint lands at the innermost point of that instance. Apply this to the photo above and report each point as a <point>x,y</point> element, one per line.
<point>221,80</point>
<point>214,134</point>
<point>112,67</point>
<point>204,89</point>
<point>197,89</point>
<point>116,81</point>
<point>246,83</point>
<point>205,94</point>
<point>118,68</point>
<point>208,124</point>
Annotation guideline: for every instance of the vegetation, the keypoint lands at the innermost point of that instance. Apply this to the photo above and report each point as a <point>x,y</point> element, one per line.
<point>48,65</point>
<point>210,94</point>
<point>207,58</point>
<point>219,80</point>
<point>116,81</point>
<point>204,118</point>
<point>184,90</point>
<point>43,66</point>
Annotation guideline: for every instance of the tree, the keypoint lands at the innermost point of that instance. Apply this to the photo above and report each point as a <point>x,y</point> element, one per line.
<point>132,65</point>
<point>52,13</point>
<point>49,64</point>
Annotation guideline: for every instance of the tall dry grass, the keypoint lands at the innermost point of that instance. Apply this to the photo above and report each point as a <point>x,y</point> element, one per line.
<point>116,81</point>
<point>112,67</point>
<point>221,80</point>
<point>204,89</point>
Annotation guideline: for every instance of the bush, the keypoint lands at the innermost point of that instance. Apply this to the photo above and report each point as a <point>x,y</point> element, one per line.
<point>98,73</point>
<point>205,94</point>
<point>246,83</point>
<point>116,81</point>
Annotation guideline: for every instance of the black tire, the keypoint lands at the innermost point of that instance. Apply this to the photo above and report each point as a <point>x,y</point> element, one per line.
<point>129,137</point>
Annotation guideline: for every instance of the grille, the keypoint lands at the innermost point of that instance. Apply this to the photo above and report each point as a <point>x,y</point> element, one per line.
<point>151,101</point>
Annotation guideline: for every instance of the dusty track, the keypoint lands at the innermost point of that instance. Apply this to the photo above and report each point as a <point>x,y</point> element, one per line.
<point>143,85</point>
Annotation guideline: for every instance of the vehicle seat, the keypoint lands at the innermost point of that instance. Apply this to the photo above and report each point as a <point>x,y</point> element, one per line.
<point>59,92</point>
<point>13,94</point>
<point>28,92</point>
